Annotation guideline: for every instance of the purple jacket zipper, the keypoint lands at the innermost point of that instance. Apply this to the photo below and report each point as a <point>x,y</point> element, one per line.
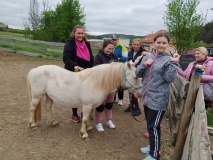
<point>149,76</point>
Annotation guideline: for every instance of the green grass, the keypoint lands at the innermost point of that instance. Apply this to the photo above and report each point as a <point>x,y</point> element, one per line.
<point>209,113</point>
<point>55,54</point>
<point>32,44</point>
<point>12,34</point>
<point>94,51</point>
<point>28,49</point>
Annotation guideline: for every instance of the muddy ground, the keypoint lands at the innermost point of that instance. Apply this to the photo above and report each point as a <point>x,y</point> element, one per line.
<point>19,142</point>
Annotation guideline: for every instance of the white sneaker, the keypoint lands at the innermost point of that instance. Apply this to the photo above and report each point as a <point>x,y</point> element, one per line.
<point>99,127</point>
<point>120,102</point>
<point>110,124</point>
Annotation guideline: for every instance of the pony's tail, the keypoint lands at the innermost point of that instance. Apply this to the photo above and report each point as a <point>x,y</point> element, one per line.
<point>37,113</point>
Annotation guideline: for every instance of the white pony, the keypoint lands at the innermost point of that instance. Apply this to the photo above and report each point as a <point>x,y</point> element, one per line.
<point>86,89</point>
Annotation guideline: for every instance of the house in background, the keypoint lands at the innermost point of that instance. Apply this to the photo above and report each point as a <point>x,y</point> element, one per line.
<point>148,43</point>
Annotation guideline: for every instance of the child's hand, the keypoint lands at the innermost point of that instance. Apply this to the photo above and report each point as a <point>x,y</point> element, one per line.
<point>149,61</point>
<point>198,66</point>
<point>175,57</point>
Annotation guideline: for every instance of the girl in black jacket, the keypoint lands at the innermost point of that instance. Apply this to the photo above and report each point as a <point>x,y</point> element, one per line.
<point>105,56</point>
<point>77,56</point>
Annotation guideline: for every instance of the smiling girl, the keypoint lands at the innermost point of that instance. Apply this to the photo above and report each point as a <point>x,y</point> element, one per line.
<point>77,56</point>
<point>157,70</point>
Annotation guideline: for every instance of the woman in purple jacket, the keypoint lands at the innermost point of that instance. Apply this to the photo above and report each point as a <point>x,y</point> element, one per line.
<point>202,61</point>
<point>105,56</point>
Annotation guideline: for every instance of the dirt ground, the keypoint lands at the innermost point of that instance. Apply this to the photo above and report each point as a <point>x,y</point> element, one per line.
<point>19,142</point>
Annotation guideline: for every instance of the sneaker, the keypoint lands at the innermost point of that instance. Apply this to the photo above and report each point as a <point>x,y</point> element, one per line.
<point>149,158</point>
<point>145,149</point>
<point>110,124</point>
<point>146,134</point>
<point>76,118</point>
<point>120,102</point>
<point>136,111</point>
<point>99,127</point>
<point>128,109</point>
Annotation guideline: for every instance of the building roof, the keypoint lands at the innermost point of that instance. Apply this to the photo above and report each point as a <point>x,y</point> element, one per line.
<point>150,37</point>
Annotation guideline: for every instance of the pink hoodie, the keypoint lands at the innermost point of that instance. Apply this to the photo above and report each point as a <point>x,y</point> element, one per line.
<point>207,74</point>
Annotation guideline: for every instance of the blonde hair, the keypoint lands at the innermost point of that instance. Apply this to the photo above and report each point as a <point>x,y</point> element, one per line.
<point>136,39</point>
<point>202,50</point>
<point>74,30</point>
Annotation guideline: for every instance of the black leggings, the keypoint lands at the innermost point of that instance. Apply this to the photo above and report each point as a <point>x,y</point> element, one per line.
<point>74,111</point>
<point>154,118</point>
<point>120,94</point>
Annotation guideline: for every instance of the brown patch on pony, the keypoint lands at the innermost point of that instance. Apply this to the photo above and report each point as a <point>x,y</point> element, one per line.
<point>129,65</point>
<point>38,113</point>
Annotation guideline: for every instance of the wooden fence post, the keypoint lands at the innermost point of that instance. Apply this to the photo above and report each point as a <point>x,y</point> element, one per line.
<point>186,114</point>
<point>14,41</point>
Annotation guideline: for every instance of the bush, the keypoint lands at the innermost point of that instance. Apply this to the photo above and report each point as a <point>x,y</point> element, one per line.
<point>209,114</point>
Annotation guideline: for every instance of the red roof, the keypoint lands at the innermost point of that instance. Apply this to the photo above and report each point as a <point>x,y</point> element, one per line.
<point>150,37</point>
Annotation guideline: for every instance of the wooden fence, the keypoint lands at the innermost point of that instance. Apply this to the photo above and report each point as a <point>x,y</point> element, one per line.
<point>188,120</point>
<point>46,47</point>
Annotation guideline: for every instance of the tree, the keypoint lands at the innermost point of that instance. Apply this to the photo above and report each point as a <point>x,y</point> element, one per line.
<point>48,27</point>
<point>46,6</point>
<point>3,26</point>
<point>183,23</point>
<point>68,14</point>
<point>206,34</point>
<point>34,17</point>
<point>57,25</point>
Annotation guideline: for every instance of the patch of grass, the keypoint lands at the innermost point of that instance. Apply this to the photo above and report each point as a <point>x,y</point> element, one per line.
<point>94,51</point>
<point>55,54</point>
<point>12,34</point>
<point>31,44</point>
<point>209,114</point>
<point>26,46</point>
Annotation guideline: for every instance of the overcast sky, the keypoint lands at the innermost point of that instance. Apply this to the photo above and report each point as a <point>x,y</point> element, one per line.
<point>137,17</point>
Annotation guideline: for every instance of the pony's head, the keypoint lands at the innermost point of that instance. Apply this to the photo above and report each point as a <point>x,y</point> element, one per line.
<point>131,82</point>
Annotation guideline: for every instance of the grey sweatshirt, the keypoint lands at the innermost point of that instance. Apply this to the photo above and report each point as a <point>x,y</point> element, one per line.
<point>156,80</point>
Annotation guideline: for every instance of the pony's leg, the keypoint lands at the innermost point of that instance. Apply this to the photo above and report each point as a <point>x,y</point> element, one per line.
<point>48,107</point>
<point>85,122</point>
<point>35,105</point>
<point>88,126</point>
<point>91,114</point>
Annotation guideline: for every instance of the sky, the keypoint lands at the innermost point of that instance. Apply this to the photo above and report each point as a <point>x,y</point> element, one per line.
<point>135,17</point>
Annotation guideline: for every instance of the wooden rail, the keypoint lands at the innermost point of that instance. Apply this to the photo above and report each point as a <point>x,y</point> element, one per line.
<point>46,47</point>
<point>187,119</point>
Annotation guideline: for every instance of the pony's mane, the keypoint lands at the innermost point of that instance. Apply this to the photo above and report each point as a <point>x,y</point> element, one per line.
<point>105,76</point>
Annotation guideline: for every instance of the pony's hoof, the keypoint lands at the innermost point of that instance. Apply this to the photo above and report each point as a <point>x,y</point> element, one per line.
<point>89,128</point>
<point>84,136</point>
<point>86,139</point>
<point>55,123</point>
<point>52,123</point>
<point>33,125</point>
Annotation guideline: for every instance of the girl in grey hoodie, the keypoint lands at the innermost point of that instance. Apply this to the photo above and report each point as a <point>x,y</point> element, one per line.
<point>157,70</point>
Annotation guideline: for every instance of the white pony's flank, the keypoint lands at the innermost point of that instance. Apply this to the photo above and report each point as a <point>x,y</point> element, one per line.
<point>86,89</point>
